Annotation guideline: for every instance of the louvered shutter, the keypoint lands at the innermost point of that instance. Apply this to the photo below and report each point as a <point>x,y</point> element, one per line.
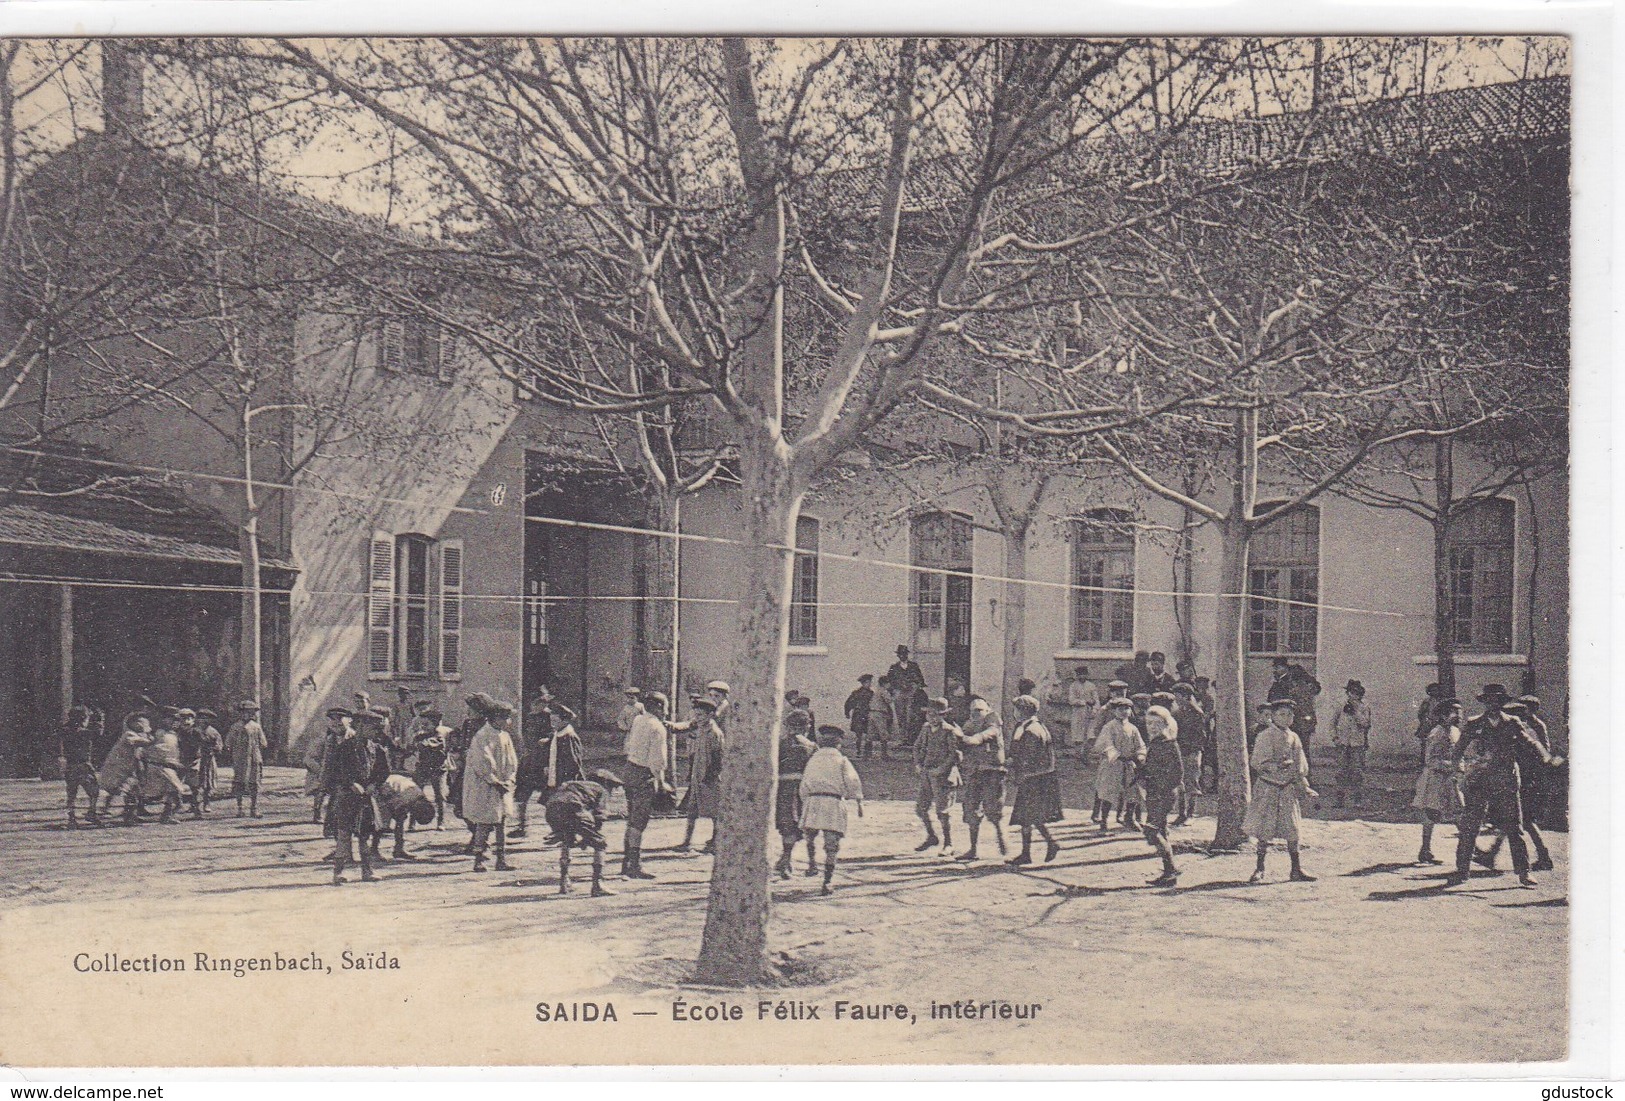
<point>438,345</point>
<point>392,346</point>
<point>380,602</point>
<point>451,608</point>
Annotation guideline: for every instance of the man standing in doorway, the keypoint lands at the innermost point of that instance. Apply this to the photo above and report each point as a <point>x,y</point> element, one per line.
<point>906,682</point>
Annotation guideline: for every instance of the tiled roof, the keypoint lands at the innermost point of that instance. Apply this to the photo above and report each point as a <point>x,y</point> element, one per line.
<point>28,526</point>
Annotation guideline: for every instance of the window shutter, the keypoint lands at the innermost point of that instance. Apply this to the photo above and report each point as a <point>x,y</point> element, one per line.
<point>451,608</point>
<point>380,602</point>
<point>392,346</point>
<point>438,345</point>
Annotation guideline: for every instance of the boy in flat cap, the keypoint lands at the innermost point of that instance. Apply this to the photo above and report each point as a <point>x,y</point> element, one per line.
<point>647,759</point>
<point>360,767</point>
<point>1282,769</point>
<point>575,814</point>
<point>796,747</point>
<point>858,704</point>
<point>1351,734</point>
<point>936,762</point>
<point>981,746</point>
<point>318,759</point>
<point>246,743</point>
<point>828,781</point>
<point>704,770</point>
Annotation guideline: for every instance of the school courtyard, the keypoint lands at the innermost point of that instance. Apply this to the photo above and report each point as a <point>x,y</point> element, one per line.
<point>1374,962</point>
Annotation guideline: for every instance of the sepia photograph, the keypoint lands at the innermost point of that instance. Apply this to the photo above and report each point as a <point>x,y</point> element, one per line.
<point>546,551</point>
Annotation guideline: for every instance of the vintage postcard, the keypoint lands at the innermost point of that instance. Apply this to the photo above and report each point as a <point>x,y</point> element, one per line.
<point>850,550</point>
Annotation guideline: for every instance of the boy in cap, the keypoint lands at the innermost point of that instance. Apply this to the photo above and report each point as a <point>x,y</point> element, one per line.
<point>936,762</point>
<point>246,743</point>
<point>210,745</point>
<point>1164,775</point>
<point>1158,678</point>
<point>1082,701</point>
<point>1192,738</point>
<point>489,779</point>
<point>1094,758</point>
<point>75,748</point>
<point>360,767</point>
<point>1122,749</point>
<point>400,798</point>
<point>631,709</point>
<point>1491,746</point>
<point>1532,772</point>
<point>704,770</point>
<point>1282,769</point>
<point>1038,793</point>
<point>575,814</point>
<point>795,748</point>
<point>827,782</point>
<point>1351,734</point>
<point>981,746</point>
<point>431,763</point>
<point>647,759</point>
<point>858,705</point>
<point>318,758</point>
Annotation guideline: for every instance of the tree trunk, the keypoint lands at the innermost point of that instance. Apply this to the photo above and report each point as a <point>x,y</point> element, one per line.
<point>1229,683</point>
<point>660,609</point>
<point>1444,606</point>
<point>1015,611</point>
<point>733,951</point>
<point>250,643</point>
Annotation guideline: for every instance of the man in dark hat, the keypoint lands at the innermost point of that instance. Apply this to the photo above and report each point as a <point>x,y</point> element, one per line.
<point>704,770</point>
<point>1490,748</point>
<point>575,814</point>
<point>360,767</point>
<point>1533,783</point>
<point>1294,682</point>
<point>647,759</point>
<point>1351,734</point>
<point>906,683</point>
<point>858,703</point>
<point>936,761</point>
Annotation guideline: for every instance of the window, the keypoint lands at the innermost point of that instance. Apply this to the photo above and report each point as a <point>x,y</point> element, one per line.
<point>940,541</point>
<point>414,346</point>
<point>1103,579</point>
<point>804,585</point>
<point>414,606</point>
<point>1283,580</point>
<point>1480,542</point>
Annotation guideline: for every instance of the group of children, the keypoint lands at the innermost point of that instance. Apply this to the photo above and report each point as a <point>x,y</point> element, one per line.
<point>365,777</point>
<point>168,756</point>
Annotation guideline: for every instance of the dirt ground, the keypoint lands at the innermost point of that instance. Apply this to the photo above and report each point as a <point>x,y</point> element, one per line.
<point>1375,962</point>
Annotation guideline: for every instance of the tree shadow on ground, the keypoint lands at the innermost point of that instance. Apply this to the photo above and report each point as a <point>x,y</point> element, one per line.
<point>1213,885</point>
<point>1380,869</point>
<point>1559,903</point>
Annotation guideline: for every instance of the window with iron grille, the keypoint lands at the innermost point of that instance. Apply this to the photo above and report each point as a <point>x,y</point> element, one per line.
<point>1103,579</point>
<point>804,585</point>
<point>1283,584</point>
<point>1480,542</point>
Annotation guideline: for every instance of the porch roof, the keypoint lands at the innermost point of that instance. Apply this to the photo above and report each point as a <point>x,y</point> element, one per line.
<point>24,525</point>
